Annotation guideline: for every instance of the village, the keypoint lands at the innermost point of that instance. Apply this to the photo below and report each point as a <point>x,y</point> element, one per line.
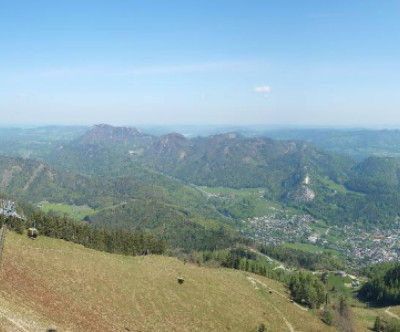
<point>360,247</point>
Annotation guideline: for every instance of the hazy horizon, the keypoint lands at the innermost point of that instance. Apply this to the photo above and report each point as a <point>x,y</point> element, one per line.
<point>286,64</point>
<point>215,126</point>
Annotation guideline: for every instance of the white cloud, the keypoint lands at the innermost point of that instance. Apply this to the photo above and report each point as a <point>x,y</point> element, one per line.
<point>262,89</point>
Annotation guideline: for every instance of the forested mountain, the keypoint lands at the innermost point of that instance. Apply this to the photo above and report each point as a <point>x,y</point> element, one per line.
<point>122,172</point>
<point>376,175</point>
<point>372,195</point>
<point>229,160</point>
<point>236,161</point>
<point>338,189</point>
<point>36,181</point>
<point>170,209</point>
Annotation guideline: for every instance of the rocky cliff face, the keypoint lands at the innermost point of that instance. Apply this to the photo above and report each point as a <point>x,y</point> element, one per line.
<point>304,194</point>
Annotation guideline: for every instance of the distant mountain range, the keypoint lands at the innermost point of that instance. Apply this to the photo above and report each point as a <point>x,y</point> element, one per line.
<point>357,143</point>
<point>229,160</point>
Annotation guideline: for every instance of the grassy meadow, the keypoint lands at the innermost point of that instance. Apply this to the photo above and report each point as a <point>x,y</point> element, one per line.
<point>52,283</point>
<point>245,202</point>
<point>73,211</point>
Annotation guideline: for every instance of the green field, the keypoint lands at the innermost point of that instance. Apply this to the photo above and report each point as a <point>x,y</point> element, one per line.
<point>333,185</point>
<point>339,188</point>
<point>73,211</point>
<point>309,248</point>
<point>338,284</point>
<point>245,202</point>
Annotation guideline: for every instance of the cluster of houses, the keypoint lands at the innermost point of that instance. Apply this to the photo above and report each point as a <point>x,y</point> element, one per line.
<point>273,229</point>
<point>361,247</point>
<point>366,247</point>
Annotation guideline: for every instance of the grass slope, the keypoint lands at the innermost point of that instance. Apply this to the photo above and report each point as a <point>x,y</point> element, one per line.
<point>75,212</point>
<point>53,283</point>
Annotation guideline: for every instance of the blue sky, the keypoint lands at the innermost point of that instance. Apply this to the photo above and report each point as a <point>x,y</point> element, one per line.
<point>308,63</point>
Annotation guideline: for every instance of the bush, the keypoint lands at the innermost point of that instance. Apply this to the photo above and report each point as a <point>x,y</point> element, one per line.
<point>328,316</point>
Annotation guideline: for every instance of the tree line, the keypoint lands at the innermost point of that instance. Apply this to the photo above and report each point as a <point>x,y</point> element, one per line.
<point>323,260</point>
<point>118,241</point>
<point>383,287</point>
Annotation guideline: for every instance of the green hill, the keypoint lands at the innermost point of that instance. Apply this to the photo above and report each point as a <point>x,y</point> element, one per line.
<point>376,175</point>
<point>160,204</point>
<point>52,283</point>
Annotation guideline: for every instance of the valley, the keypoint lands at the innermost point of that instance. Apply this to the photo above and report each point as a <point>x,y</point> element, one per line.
<point>92,175</point>
<point>255,212</point>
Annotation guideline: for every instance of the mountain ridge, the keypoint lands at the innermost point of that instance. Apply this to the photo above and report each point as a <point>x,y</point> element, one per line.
<point>217,160</point>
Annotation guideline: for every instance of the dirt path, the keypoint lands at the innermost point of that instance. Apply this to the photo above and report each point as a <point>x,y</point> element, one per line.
<point>255,282</point>
<point>14,322</point>
<point>261,254</point>
<point>205,193</point>
<point>289,326</point>
<point>391,313</point>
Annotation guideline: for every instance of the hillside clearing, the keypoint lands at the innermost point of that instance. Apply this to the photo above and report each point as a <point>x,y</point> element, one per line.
<point>76,212</point>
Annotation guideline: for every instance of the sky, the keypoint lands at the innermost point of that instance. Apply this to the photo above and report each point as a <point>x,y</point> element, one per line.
<point>128,62</point>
